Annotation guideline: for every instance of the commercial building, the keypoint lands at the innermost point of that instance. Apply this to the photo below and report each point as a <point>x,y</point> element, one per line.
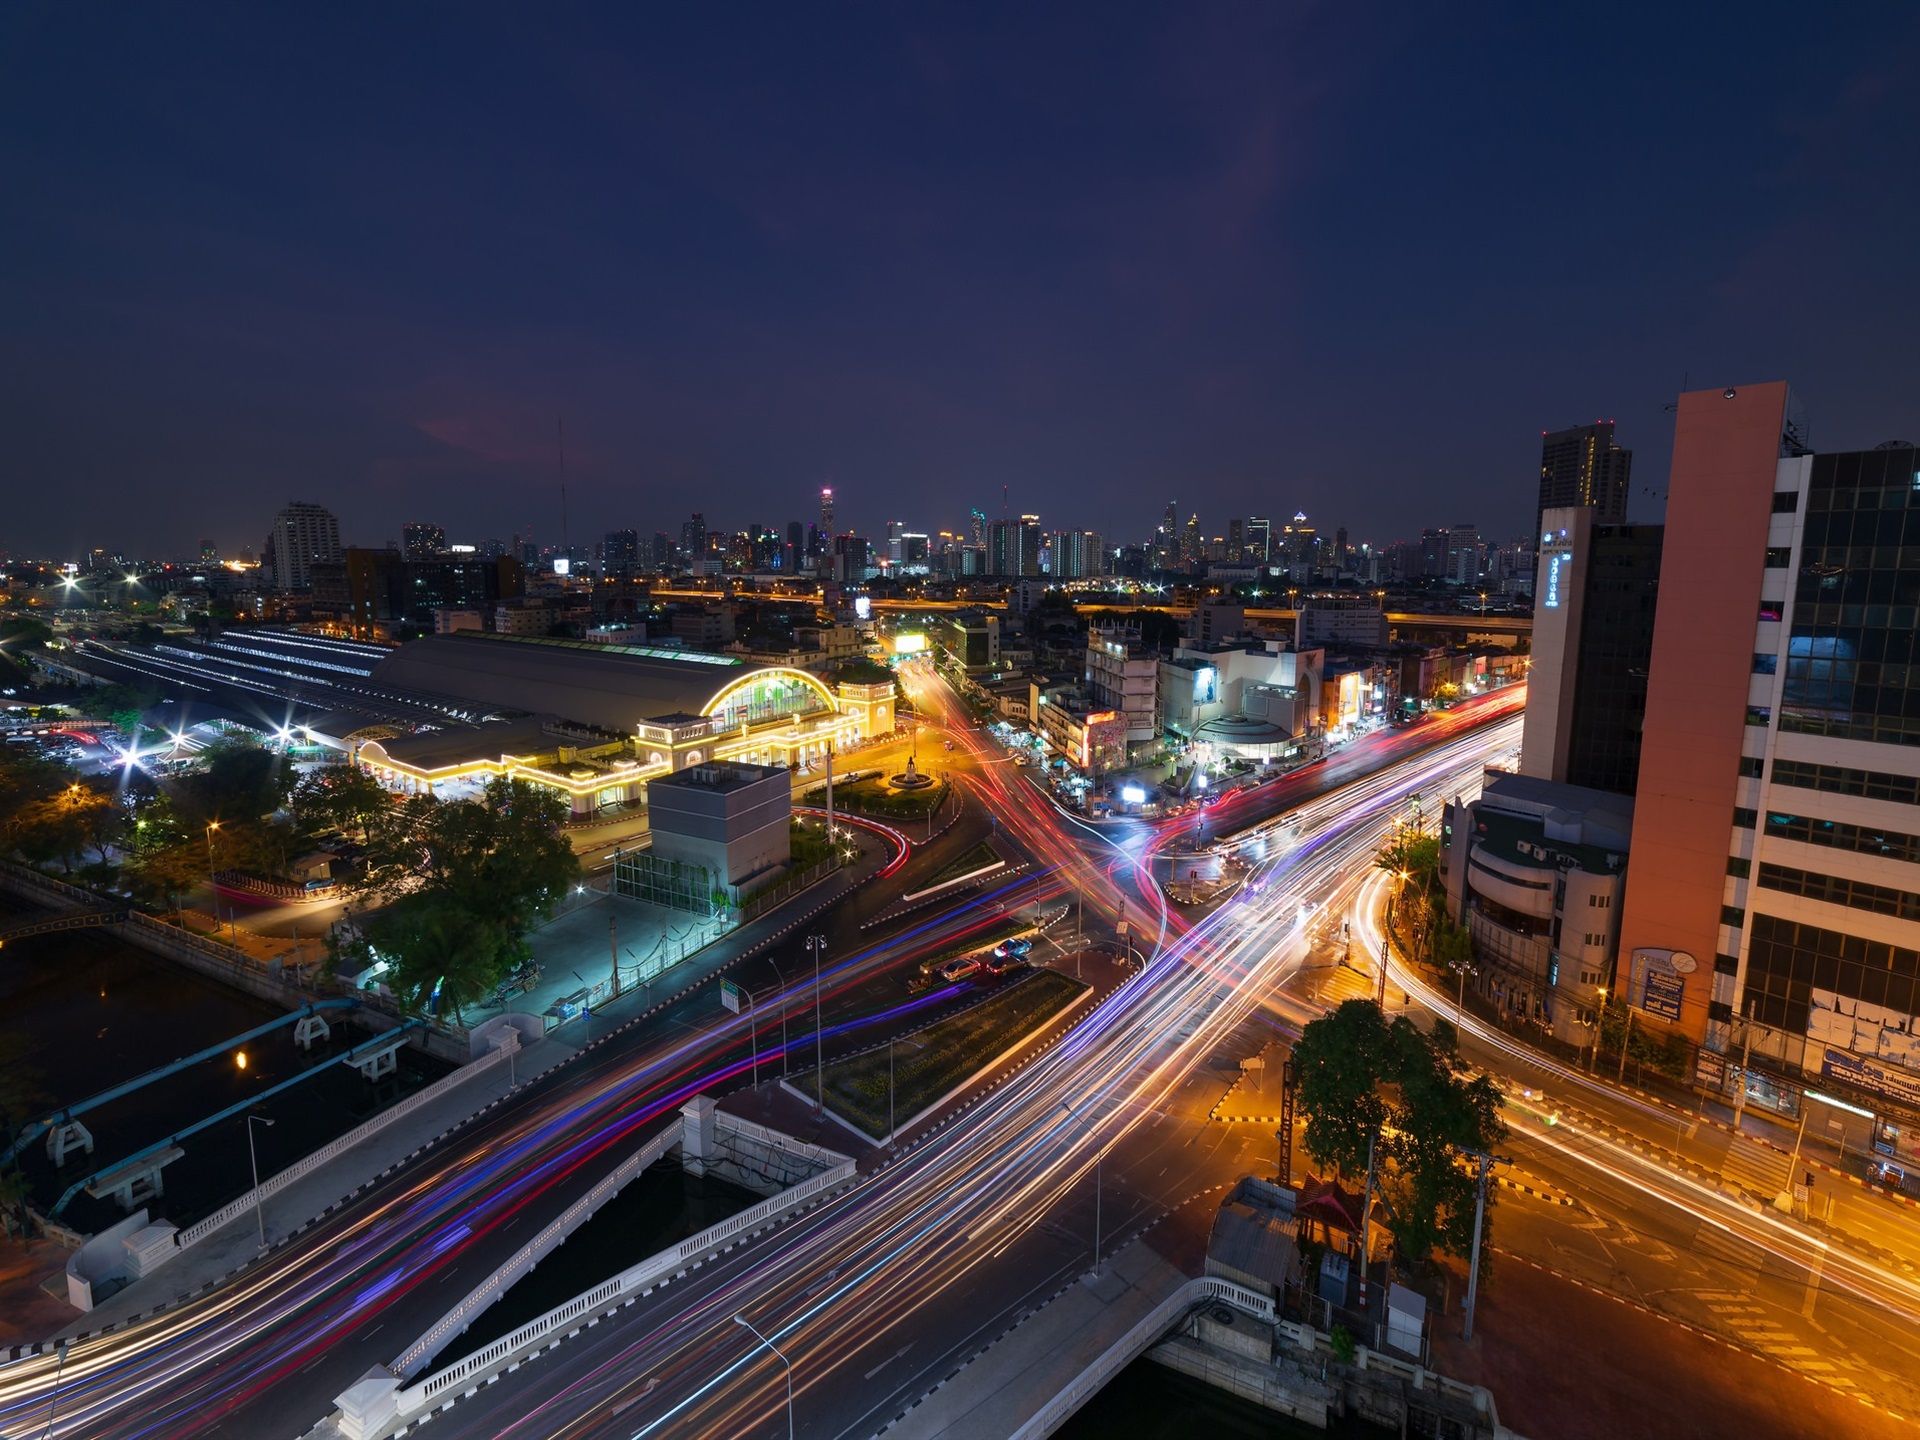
<point>1090,739</point>
<point>1124,675</point>
<point>1584,466</point>
<point>1593,621</point>
<point>1339,621</point>
<point>970,640</point>
<point>1253,700</point>
<point>302,535</point>
<point>1536,871</point>
<point>1776,848</point>
<point>598,722</point>
<point>731,820</point>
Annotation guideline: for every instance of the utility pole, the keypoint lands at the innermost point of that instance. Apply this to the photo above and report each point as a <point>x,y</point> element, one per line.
<point>890,1125</point>
<point>1746,1054</point>
<point>817,943</point>
<point>1479,1218</point>
<point>1366,1218</point>
<point>613,948</point>
<point>1626,1042</point>
<point>829,799</point>
<point>783,1015</point>
<point>753,1034</point>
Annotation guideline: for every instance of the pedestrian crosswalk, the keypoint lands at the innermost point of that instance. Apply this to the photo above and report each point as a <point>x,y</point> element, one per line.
<point>1750,1323</point>
<point>1758,1169</point>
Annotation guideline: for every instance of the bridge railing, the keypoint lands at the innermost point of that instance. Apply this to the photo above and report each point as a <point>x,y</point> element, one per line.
<point>635,1279</point>
<point>332,1150</point>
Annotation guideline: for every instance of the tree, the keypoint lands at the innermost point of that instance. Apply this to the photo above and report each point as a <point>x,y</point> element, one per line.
<point>464,882</point>
<point>340,797</point>
<point>1364,1078</point>
<point>237,781</point>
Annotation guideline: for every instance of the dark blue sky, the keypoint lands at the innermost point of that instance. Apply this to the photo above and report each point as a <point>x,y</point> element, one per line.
<point>1254,259</point>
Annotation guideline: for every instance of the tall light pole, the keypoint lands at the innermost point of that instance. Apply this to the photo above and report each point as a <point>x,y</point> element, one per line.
<point>212,825</point>
<point>742,1320</point>
<point>817,943</point>
<point>53,1400</point>
<point>259,1214</point>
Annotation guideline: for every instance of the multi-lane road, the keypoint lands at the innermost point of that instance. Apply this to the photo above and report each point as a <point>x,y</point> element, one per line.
<point>875,1294</point>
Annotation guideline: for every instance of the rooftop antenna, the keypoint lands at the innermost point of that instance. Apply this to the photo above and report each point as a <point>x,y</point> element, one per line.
<point>560,434</point>
<point>1003,502</point>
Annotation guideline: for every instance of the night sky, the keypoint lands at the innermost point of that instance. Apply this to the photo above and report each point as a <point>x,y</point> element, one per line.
<point>1252,259</point>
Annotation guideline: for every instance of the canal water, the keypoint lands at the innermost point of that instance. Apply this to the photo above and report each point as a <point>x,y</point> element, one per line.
<point>90,1011</point>
<point>1146,1401</point>
<point>659,1207</point>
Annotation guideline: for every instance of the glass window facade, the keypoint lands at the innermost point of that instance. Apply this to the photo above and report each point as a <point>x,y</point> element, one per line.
<point>1852,667</point>
<point>1866,839</point>
<point>1836,890</point>
<point>1787,959</point>
<point>1844,780</point>
<point>1616,641</point>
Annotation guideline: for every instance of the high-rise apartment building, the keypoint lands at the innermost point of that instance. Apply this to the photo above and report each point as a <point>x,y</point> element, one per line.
<point>1013,546</point>
<point>421,541</point>
<point>693,541</point>
<point>1584,466</point>
<point>1077,555</point>
<point>302,534</point>
<point>1593,616</point>
<point>1771,893</point>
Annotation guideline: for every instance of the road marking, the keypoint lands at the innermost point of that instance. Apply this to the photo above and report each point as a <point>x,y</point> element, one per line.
<point>889,1360</point>
<point>1813,1282</point>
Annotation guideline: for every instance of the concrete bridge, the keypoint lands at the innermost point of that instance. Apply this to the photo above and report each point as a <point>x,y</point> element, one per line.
<point>73,920</point>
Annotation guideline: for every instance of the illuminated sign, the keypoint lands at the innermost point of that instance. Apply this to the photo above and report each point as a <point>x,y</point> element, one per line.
<point>912,643</point>
<point>1558,562</point>
<point>863,608</point>
<point>1206,685</point>
<point>562,564</point>
<point>1132,795</point>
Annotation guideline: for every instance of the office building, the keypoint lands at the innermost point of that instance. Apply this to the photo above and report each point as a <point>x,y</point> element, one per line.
<point>1078,555</point>
<point>302,534</point>
<point>1593,620</point>
<point>620,551</point>
<point>826,510</point>
<point>1339,620</point>
<point>732,820</point>
<point>1584,466</point>
<point>1257,538</point>
<point>1771,890</point>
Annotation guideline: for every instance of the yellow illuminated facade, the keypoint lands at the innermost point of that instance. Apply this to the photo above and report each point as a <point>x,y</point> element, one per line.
<point>775,715</point>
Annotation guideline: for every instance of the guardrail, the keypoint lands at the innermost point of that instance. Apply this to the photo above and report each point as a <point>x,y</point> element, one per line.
<point>301,1168</point>
<point>603,1296</point>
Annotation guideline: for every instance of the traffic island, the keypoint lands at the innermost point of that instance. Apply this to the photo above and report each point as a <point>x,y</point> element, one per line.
<point>892,1086</point>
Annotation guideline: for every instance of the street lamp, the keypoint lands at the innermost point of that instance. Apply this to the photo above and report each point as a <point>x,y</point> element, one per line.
<point>259,1215</point>
<point>817,943</point>
<point>53,1400</point>
<point>783,1014</point>
<point>742,1320</point>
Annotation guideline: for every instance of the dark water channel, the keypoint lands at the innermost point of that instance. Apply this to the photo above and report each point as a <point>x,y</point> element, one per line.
<point>659,1207</point>
<point>93,1011</point>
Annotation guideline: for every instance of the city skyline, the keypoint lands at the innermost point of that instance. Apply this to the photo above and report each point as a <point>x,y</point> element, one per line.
<point>1167,269</point>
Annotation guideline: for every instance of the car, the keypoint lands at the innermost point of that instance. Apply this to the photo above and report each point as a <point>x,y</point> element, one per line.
<point>959,969</point>
<point>1017,949</point>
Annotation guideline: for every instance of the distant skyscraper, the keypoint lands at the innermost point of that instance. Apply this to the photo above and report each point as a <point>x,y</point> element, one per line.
<point>977,527</point>
<point>302,534</point>
<point>826,510</point>
<point>421,541</point>
<point>1013,546</point>
<point>209,553</point>
<point>693,540</point>
<point>1259,540</point>
<point>620,551</point>
<point>1077,555</point>
<point>1584,466</point>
